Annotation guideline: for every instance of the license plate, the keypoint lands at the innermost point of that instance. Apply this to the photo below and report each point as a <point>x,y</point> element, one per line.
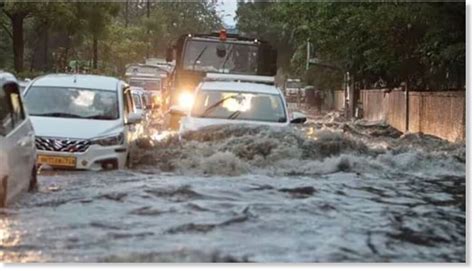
<point>61,161</point>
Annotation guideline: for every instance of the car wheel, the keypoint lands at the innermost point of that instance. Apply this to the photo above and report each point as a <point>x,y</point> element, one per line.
<point>33,180</point>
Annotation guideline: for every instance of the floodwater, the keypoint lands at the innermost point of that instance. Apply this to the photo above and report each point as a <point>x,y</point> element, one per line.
<point>326,191</point>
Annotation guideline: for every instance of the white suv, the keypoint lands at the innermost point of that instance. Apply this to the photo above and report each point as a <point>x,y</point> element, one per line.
<point>17,148</point>
<point>82,121</point>
<point>235,99</point>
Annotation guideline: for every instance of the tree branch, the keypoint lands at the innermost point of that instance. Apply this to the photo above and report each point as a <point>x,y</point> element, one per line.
<point>2,25</point>
<point>6,13</point>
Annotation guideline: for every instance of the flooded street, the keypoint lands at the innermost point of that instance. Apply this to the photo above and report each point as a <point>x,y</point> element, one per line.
<point>326,191</point>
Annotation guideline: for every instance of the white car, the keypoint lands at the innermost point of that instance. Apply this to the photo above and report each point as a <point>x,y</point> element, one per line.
<point>139,101</point>
<point>23,85</point>
<point>229,99</point>
<point>82,121</point>
<point>17,148</point>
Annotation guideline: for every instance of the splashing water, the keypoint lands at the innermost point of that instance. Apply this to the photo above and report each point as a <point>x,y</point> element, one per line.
<point>328,191</point>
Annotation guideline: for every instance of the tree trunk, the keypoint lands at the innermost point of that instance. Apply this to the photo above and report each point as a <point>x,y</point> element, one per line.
<point>18,42</point>
<point>126,13</point>
<point>95,53</point>
<point>46,65</point>
<point>148,30</point>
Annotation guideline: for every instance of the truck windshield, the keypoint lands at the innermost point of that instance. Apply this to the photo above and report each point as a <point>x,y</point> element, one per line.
<point>237,58</point>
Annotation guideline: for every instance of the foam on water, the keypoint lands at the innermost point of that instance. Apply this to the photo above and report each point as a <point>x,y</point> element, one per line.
<point>327,191</point>
<point>314,150</point>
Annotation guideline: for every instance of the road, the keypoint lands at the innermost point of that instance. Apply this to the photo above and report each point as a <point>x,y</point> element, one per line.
<point>326,191</point>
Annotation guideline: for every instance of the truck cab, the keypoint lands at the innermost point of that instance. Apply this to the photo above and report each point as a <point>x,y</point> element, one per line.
<point>196,55</point>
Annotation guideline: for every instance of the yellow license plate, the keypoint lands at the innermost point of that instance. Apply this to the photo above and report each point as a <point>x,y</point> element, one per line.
<point>62,161</point>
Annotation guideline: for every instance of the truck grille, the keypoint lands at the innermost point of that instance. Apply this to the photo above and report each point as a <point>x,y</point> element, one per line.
<point>62,145</point>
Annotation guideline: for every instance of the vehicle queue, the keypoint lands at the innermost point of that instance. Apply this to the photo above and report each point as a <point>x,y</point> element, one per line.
<point>93,122</point>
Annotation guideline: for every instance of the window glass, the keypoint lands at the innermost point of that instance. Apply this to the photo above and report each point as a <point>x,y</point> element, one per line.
<point>127,101</point>
<point>239,106</point>
<point>11,108</point>
<point>72,103</point>
<point>5,116</point>
<point>211,56</point>
<point>137,101</point>
<point>148,85</point>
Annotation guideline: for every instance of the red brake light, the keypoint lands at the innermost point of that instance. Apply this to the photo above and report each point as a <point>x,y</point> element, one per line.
<point>222,35</point>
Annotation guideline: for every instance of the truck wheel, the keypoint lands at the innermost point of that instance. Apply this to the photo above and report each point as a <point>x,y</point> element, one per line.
<point>33,186</point>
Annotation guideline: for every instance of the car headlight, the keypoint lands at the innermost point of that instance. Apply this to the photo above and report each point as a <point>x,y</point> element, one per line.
<point>109,140</point>
<point>186,100</point>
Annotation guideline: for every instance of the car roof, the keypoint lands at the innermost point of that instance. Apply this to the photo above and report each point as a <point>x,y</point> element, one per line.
<point>78,81</point>
<point>241,87</point>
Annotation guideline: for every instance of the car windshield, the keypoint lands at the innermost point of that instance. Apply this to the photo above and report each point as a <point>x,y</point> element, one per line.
<point>239,105</point>
<point>149,85</point>
<point>72,103</point>
<point>211,56</point>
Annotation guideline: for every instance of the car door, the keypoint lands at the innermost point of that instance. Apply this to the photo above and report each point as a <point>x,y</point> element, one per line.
<point>18,137</point>
<point>128,107</point>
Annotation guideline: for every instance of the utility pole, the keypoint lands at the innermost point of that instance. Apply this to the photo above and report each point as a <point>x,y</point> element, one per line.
<point>348,96</point>
<point>407,107</point>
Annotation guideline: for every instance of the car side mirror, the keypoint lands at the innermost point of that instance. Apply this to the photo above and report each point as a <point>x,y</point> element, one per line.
<point>134,118</point>
<point>176,110</point>
<point>298,118</point>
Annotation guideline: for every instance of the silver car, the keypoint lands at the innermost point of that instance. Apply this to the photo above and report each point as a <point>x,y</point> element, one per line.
<point>17,143</point>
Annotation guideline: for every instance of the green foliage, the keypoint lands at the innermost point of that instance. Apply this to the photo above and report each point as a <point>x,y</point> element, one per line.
<point>58,32</point>
<point>422,44</point>
<point>124,45</point>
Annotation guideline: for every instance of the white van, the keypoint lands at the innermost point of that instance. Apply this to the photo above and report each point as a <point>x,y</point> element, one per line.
<point>82,121</point>
<point>17,148</point>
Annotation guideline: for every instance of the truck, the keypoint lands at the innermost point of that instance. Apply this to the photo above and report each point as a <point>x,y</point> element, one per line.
<point>196,55</point>
<point>150,77</point>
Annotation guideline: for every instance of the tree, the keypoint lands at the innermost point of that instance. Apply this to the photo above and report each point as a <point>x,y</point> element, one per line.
<point>48,36</point>
<point>422,44</point>
<point>97,15</point>
<point>17,11</point>
<point>169,20</point>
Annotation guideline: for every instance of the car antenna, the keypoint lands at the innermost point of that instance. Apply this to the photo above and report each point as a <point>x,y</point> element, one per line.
<point>75,79</point>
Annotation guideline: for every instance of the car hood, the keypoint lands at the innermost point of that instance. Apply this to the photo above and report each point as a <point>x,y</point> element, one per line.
<point>74,128</point>
<point>193,124</point>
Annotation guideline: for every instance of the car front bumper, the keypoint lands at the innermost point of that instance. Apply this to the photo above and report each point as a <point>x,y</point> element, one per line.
<point>94,158</point>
